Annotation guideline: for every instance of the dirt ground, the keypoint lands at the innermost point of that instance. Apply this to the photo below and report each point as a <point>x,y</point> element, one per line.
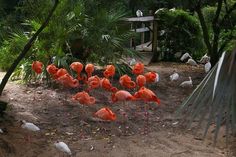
<point>61,119</point>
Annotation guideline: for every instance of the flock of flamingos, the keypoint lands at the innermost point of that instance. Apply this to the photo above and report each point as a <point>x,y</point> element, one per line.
<point>63,77</point>
<point>91,82</point>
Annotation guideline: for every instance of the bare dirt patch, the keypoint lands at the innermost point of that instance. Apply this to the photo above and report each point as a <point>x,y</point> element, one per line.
<point>61,119</point>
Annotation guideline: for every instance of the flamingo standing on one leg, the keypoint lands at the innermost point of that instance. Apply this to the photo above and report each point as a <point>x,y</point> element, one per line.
<point>146,95</point>
<point>123,96</point>
<point>37,67</point>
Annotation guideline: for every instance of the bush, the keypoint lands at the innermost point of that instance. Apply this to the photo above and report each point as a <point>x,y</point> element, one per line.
<point>178,32</point>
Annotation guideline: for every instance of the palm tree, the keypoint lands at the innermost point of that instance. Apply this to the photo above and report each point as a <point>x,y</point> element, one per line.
<point>215,98</point>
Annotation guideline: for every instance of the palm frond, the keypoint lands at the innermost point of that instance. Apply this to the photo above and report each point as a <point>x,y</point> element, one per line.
<point>214,99</point>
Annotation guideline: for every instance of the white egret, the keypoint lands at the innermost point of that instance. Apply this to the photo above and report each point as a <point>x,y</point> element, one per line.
<point>174,76</point>
<point>207,67</point>
<point>188,83</point>
<point>61,146</point>
<point>191,62</point>
<point>185,56</point>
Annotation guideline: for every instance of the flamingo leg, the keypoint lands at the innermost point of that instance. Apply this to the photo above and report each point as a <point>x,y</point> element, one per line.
<point>146,128</point>
<point>28,138</point>
<point>123,114</point>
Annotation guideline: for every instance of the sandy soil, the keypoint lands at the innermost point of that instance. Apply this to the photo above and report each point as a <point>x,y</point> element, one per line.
<point>61,119</point>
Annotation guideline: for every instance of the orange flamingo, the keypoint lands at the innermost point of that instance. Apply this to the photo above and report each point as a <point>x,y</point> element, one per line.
<point>52,69</point>
<point>37,67</point>
<point>106,84</point>
<point>68,81</point>
<point>109,71</point>
<point>126,82</point>
<point>152,77</point>
<point>89,68</point>
<point>77,67</point>
<point>105,114</point>
<point>84,98</point>
<point>122,95</point>
<point>138,68</point>
<point>93,82</point>
<point>141,80</point>
<point>147,95</point>
<point>60,72</point>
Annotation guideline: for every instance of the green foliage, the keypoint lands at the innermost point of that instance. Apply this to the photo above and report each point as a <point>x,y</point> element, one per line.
<point>73,34</point>
<point>228,28</point>
<point>11,48</point>
<point>178,32</point>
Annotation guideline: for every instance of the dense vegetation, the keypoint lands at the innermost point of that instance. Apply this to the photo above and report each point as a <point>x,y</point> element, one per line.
<point>91,30</point>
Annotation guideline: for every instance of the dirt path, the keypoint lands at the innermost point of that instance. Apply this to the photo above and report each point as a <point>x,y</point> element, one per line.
<point>61,119</point>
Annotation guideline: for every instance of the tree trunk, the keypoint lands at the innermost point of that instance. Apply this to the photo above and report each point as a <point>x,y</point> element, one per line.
<point>26,49</point>
<point>216,29</point>
<point>156,54</point>
<point>204,29</point>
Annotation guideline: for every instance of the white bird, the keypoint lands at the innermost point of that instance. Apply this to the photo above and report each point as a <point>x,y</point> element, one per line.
<point>174,76</point>
<point>207,67</point>
<point>159,10</point>
<point>185,56</point>
<point>187,83</point>
<point>132,62</point>
<point>157,79</point>
<point>61,146</point>
<point>1,131</point>
<point>139,13</point>
<point>173,9</point>
<point>204,59</point>
<point>106,37</point>
<point>191,62</point>
<point>29,126</point>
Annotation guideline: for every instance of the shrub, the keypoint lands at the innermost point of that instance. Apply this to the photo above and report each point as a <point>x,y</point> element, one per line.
<point>178,32</point>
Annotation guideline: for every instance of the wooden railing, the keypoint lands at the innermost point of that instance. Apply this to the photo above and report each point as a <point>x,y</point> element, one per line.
<point>148,24</point>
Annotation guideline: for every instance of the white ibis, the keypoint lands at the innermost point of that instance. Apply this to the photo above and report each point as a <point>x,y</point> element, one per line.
<point>207,67</point>
<point>61,146</point>
<point>185,56</point>
<point>191,62</point>
<point>29,126</point>
<point>204,59</point>
<point>174,76</point>
<point>188,83</point>
<point>139,13</point>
